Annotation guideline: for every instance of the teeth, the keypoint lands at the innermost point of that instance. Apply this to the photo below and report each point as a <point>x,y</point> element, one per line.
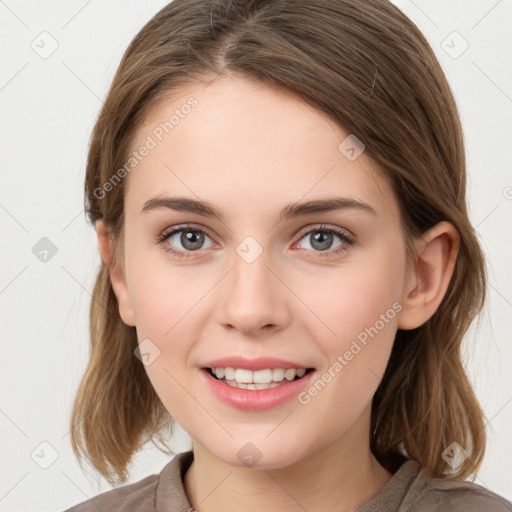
<point>242,385</point>
<point>258,377</point>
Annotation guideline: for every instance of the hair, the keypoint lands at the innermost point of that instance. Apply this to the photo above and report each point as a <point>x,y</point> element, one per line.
<point>369,68</point>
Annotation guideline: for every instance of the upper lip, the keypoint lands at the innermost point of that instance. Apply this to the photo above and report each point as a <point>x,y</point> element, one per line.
<point>260,363</point>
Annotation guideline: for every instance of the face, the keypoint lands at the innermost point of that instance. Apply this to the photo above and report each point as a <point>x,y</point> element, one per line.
<point>319,289</point>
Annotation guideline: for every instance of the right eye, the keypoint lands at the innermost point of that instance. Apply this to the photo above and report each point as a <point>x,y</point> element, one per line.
<point>190,238</point>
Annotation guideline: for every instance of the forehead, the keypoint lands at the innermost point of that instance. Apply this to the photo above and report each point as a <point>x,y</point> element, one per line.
<point>238,142</point>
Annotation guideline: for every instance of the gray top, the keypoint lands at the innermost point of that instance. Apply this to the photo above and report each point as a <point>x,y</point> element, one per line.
<point>409,490</point>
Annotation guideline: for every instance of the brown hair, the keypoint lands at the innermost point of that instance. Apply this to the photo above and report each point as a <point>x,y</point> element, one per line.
<point>369,68</point>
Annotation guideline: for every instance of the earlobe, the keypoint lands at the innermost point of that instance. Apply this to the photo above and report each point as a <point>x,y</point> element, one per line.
<point>429,275</point>
<point>106,247</point>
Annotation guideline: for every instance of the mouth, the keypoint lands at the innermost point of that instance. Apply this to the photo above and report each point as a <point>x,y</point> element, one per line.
<point>256,390</point>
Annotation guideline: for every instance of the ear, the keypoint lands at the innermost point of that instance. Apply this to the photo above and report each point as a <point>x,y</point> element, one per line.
<point>429,275</point>
<point>106,247</point>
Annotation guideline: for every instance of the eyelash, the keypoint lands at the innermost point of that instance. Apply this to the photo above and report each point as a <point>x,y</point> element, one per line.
<point>347,239</point>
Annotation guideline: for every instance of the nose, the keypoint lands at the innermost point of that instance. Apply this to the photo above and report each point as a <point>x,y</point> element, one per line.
<point>253,298</point>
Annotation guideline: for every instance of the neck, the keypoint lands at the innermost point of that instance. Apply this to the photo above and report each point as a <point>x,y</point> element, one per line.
<point>341,476</point>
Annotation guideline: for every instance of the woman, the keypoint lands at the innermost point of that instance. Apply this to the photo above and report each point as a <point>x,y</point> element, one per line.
<point>288,268</point>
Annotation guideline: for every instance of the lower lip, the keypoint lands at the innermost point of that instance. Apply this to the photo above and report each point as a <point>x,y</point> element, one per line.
<point>256,399</point>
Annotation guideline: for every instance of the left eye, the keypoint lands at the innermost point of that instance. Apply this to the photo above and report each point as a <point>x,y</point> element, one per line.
<point>321,239</point>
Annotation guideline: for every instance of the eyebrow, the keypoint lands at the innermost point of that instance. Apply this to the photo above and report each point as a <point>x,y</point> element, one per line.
<point>293,210</point>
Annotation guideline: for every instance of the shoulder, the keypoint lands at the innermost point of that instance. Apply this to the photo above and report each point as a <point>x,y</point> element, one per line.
<point>436,495</point>
<point>162,491</point>
<point>136,496</point>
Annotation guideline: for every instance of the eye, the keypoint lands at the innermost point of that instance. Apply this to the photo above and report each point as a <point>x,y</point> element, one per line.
<point>190,238</point>
<point>321,238</point>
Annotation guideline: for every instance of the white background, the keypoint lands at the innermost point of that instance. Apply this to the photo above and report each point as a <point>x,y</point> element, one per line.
<point>48,108</point>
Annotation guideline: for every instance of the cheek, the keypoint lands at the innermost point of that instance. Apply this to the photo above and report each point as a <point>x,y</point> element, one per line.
<point>358,305</point>
<point>355,296</point>
<point>166,312</point>
<point>163,296</point>
<point>357,347</point>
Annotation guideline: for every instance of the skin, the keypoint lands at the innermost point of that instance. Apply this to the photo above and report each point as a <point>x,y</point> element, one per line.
<point>250,150</point>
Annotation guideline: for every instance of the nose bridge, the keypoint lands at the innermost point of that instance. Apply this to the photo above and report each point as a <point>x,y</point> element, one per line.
<point>253,296</point>
<point>251,275</point>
